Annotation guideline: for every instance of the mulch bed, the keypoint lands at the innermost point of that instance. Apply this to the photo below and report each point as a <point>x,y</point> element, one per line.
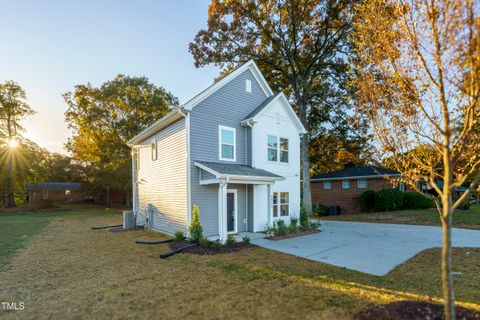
<point>120,229</point>
<point>413,310</point>
<point>201,251</point>
<point>293,235</point>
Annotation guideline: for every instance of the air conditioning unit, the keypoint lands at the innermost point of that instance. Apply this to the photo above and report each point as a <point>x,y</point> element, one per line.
<point>129,220</point>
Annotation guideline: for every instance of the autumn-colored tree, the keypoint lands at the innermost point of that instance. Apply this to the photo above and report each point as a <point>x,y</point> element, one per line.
<point>301,46</point>
<point>418,81</point>
<point>104,118</point>
<point>13,108</point>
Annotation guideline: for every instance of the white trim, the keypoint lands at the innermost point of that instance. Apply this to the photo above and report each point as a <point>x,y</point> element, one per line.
<point>288,109</point>
<point>236,177</point>
<point>210,90</point>
<point>189,176</point>
<point>220,142</point>
<point>357,177</point>
<point>235,212</point>
<point>169,118</point>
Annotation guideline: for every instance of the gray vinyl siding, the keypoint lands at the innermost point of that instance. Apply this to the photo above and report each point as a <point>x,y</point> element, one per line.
<point>163,182</point>
<point>228,106</point>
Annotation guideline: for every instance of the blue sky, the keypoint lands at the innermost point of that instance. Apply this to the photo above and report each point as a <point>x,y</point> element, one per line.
<point>50,46</point>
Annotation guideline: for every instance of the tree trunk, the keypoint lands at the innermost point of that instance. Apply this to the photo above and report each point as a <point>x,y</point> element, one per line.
<point>447,280</point>
<point>305,157</point>
<point>108,197</point>
<point>11,196</point>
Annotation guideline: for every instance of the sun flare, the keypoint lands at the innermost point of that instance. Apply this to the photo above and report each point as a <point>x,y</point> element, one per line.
<point>12,143</point>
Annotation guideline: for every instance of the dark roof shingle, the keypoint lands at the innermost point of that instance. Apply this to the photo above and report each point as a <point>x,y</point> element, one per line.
<point>237,169</point>
<point>356,172</point>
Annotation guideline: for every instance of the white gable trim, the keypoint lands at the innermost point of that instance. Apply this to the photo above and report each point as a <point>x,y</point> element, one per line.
<point>288,109</point>
<point>210,90</point>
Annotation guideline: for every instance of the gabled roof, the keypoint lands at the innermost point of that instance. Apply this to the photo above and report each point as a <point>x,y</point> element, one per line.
<point>251,65</point>
<point>53,186</point>
<point>223,170</point>
<point>262,105</point>
<point>356,172</point>
<point>280,97</point>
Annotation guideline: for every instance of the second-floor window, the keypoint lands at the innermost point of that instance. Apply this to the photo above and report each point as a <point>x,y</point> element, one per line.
<point>226,143</point>
<point>277,149</point>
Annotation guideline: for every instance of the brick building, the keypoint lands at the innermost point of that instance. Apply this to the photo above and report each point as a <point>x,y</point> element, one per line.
<point>58,192</point>
<point>342,188</point>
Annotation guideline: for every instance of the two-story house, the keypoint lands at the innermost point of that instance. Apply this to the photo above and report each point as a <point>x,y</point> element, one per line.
<point>233,149</point>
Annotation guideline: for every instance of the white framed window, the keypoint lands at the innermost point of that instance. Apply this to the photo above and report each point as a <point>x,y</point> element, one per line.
<point>275,204</point>
<point>227,143</point>
<point>277,149</point>
<point>284,204</point>
<point>154,150</point>
<point>327,185</point>
<point>248,86</point>
<point>345,184</point>
<point>280,204</point>
<point>362,183</point>
<point>67,192</point>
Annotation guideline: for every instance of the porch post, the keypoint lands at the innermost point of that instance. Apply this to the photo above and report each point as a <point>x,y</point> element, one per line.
<point>222,211</point>
<point>269,204</point>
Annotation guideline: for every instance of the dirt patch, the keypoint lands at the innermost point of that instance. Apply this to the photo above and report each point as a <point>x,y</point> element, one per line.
<point>202,251</point>
<point>120,229</point>
<point>293,235</point>
<point>408,310</point>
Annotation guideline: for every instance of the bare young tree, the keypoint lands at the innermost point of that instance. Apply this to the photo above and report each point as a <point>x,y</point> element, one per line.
<point>418,72</point>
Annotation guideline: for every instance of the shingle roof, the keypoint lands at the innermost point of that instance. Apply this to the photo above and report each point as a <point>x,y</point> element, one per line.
<point>237,169</point>
<point>261,106</point>
<point>53,186</point>
<point>365,171</point>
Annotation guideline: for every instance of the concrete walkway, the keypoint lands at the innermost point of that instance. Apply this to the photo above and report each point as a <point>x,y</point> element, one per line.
<point>373,248</point>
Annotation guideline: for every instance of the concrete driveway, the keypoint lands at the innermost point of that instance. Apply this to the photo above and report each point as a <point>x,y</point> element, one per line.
<point>373,248</point>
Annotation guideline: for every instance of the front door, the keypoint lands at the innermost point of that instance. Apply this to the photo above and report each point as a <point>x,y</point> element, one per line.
<point>231,211</point>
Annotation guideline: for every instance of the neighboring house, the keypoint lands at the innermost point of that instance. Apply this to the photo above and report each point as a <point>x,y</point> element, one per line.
<point>342,187</point>
<point>234,150</point>
<point>60,192</point>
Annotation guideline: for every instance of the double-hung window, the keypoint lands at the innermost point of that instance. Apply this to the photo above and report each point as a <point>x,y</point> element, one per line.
<point>327,184</point>
<point>280,204</point>
<point>227,143</point>
<point>362,183</point>
<point>277,149</point>
<point>345,184</point>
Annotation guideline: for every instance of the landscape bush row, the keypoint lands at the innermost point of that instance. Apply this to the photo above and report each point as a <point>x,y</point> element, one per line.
<point>392,199</point>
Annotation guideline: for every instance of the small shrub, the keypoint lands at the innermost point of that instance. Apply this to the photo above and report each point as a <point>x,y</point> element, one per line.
<point>414,200</point>
<point>195,229</point>
<point>293,225</point>
<point>366,200</point>
<point>269,231</point>
<point>205,243</point>
<point>304,223</point>
<point>230,241</point>
<point>319,210</point>
<point>246,239</point>
<point>216,244</point>
<point>314,225</point>
<point>388,200</point>
<point>281,228</point>
<point>179,236</point>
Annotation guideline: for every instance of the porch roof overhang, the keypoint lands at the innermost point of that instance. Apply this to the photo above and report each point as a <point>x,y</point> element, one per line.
<point>235,173</point>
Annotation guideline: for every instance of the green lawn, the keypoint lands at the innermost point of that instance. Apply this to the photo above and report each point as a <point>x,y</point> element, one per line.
<point>17,229</point>
<point>469,219</point>
<point>66,270</point>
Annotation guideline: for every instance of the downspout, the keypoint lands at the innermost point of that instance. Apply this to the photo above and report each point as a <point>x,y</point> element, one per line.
<point>245,221</point>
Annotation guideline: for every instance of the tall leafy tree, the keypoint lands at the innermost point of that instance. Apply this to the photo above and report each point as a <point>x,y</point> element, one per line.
<point>13,109</point>
<point>418,80</point>
<point>300,45</point>
<point>104,118</point>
